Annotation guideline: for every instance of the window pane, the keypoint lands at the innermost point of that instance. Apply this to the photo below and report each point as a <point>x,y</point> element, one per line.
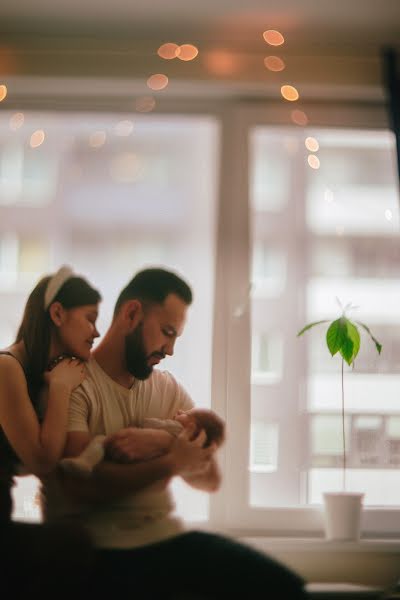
<point>110,198</point>
<point>336,235</point>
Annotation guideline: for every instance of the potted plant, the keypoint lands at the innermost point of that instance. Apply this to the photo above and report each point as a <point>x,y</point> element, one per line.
<point>343,338</point>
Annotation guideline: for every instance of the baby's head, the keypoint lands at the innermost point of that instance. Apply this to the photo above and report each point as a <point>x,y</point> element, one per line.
<point>203,418</point>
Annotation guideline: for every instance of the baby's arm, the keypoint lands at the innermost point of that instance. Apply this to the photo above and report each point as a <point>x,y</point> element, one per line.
<point>135,444</point>
<point>170,425</point>
<point>84,463</point>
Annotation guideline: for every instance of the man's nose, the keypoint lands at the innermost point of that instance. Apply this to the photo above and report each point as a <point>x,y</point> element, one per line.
<point>169,348</point>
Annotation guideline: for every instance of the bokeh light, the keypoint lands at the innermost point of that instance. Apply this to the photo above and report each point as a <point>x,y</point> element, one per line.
<point>299,117</point>
<point>157,82</point>
<point>221,62</point>
<point>273,37</point>
<point>37,138</point>
<point>123,128</point>
<point>97,139</point>
<point>289,93</point>
<point>274,63</point>
<point>145,104</point>
<point>16,121</point>
<point>311,144</point>
<point>126,167</point>
<point>3,92</point>
<point>168,51</point>
<point>313,161</point>
<point>187,52</point>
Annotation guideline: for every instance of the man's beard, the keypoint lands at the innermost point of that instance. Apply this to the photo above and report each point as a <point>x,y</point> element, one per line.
<point>135,354</point>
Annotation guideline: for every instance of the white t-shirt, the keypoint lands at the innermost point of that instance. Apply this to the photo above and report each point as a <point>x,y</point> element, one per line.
<point>101,406</point>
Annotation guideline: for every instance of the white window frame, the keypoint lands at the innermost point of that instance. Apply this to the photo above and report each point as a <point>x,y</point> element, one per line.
<point>230,510</point>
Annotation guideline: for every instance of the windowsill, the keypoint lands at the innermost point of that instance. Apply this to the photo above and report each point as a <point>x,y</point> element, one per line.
<point>323,545</point>
<point>372,562</point>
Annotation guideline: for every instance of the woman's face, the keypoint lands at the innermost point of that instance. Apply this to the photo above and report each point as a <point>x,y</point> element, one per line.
<point>77,330</point>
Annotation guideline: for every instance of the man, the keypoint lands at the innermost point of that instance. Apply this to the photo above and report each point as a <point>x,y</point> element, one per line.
<point>126,505</point>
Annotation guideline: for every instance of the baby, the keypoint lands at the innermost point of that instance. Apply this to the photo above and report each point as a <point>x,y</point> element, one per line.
<point>195,419</point>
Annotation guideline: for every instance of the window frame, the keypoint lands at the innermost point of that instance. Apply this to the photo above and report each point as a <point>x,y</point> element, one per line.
<point>232,332</point>
<point>229,510</point>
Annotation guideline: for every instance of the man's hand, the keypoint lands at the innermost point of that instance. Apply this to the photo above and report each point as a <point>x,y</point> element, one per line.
<point>134,444</point>
<point>188,454</point>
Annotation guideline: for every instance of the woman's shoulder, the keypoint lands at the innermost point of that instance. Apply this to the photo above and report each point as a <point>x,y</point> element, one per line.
<point>10,362</point>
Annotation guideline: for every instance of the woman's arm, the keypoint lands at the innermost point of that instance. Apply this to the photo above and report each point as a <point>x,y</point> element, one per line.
<point>39,447</point>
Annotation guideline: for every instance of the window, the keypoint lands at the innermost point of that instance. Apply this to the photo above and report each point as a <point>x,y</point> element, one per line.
<point>313,234</point>
<point>282,242</point>
<point>109,194</point>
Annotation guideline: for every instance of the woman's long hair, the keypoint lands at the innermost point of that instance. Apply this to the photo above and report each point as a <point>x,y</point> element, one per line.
<point>36,325</point>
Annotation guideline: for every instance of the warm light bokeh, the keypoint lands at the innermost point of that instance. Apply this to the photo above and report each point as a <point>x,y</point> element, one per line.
<point>273,37</point>
<point>311,144</point>
<point>187,52</point>
<point>274,63</point>
<point>313,161</point>
<point>145,104</point>
<point>168,51</point>
<point>126,167</point>
<point>16,121</point>
<point>3,92</point>
<point>124,128</point>
<point>289,93</point>
<point>221,62</point>
<point>97,139</point>
<point>37,138</point>
<point>157,82</point>
<point>299,117</point>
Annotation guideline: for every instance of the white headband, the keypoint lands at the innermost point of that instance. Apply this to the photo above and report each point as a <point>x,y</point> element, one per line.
<point>55,284</point>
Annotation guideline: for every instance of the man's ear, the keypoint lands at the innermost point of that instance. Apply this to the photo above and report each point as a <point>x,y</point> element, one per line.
<point>57,313</point>
<point>132,313</point>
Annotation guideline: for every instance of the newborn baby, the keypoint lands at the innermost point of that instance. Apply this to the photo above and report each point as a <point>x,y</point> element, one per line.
<point>194,420</point>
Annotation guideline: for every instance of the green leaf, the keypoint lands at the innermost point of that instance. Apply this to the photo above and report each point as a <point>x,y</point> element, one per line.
<point>346,350</point>
<point>336,335</point>
<point>307,327</point>
<point>377,344</point>
<point>354,335</point>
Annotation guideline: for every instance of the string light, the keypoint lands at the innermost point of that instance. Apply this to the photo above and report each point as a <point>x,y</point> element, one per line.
<point>290,93</point>
<point>3,92</point>
<point>273,37</point>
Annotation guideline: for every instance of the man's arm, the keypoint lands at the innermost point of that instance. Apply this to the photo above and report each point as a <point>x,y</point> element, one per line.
<point>125,447</point>
<point>208,480</point>
<point>112,480</point>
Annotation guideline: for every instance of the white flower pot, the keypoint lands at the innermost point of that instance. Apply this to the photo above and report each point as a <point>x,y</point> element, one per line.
<point>343,515</point>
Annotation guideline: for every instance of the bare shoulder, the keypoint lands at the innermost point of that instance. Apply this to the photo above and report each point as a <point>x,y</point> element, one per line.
<point>11,370</point>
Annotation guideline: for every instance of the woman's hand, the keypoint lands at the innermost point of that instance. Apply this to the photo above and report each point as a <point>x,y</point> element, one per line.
<point>68,373</point>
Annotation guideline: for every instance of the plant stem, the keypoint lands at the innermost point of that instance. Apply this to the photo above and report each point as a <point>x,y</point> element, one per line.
<point>343,431</point>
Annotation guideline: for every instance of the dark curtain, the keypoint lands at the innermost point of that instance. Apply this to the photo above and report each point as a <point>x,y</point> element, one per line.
<point>392,84</point>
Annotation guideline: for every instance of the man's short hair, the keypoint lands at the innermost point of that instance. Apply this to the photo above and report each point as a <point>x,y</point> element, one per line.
<point>152,286</point>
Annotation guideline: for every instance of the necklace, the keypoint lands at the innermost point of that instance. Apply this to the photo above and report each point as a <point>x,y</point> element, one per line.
<point>53,363</point>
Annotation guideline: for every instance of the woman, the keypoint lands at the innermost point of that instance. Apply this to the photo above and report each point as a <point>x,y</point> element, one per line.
<point>38,372</point>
